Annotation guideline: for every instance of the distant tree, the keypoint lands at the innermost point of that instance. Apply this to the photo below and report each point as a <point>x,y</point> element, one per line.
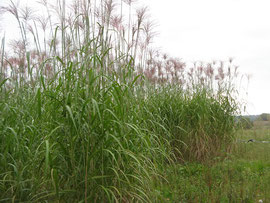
<point>245,122</point>
<point>265,117</point>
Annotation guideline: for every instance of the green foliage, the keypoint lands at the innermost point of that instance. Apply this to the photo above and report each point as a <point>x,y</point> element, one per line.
<point>227,181</point>
<point>81,142</point>
<point>264,117</point>
<point>245,122</point>
<point>198,124</point>
<point>241,177</point>
<point>79,121</point>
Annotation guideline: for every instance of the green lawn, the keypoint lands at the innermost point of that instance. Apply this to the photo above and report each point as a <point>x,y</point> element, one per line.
<point>244,176</point>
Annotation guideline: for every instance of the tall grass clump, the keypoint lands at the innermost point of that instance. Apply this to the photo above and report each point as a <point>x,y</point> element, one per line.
<point>70,120</point>
<point>91,113</point>
<point>197,117</point>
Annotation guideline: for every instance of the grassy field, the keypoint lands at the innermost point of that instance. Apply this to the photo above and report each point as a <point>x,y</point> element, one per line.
<point>243,176</point>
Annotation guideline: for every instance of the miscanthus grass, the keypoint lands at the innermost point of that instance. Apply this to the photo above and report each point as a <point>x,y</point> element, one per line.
<point>90,113</point>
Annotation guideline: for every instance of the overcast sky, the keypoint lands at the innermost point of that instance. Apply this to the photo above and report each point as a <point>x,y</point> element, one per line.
<point>218,29</point>
<point>209,30</point>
